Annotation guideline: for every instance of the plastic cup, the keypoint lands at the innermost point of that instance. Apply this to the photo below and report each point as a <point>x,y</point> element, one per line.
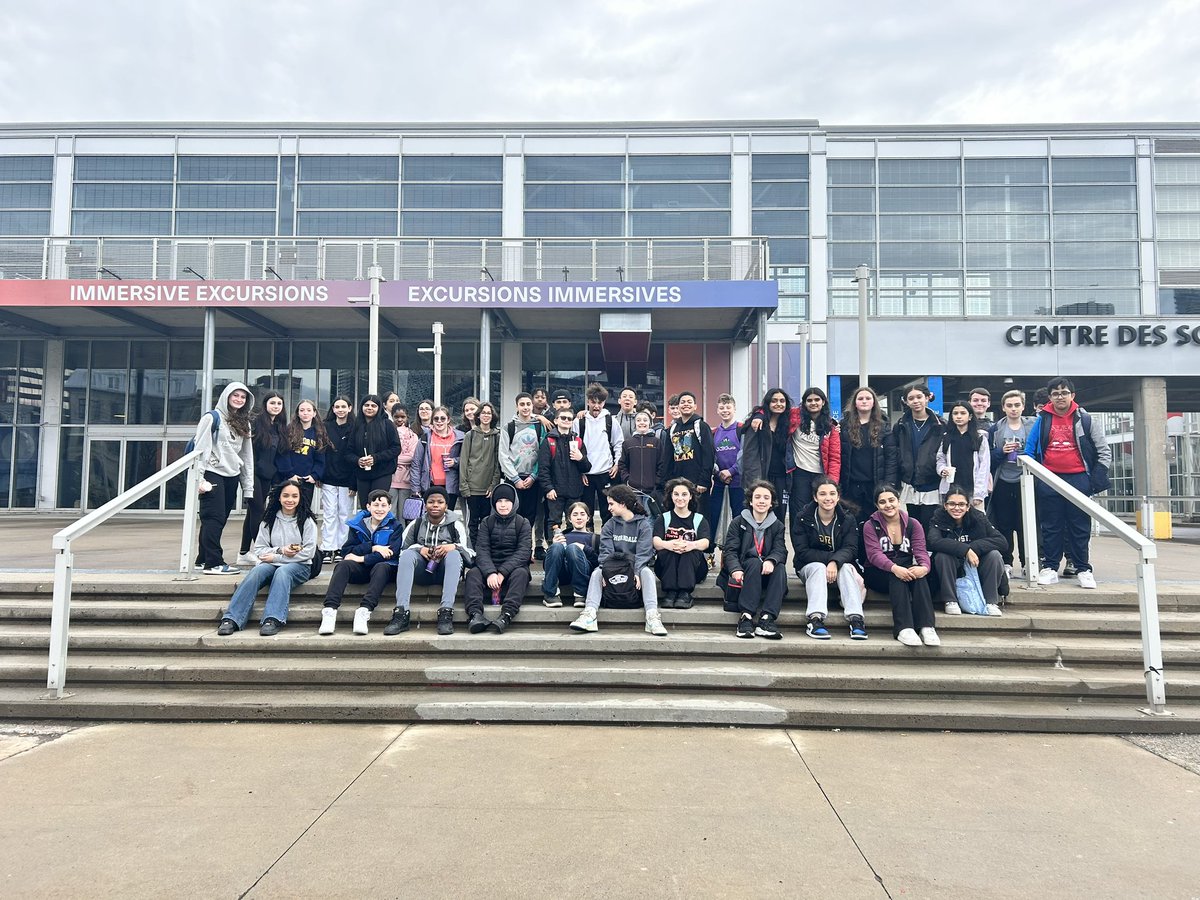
<point>950,470</point>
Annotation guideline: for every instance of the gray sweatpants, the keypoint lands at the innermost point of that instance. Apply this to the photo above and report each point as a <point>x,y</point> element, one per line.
<point>816,588</point>
<point>649,590</point>
<point>411,567</point>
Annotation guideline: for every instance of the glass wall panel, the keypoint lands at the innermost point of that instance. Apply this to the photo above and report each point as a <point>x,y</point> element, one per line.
<point>287,195</point>
<point>1178,226</point>
<point>774,194</point>
<point>1095,255</point>
<point>10,379</point>
<point>451,224</point>
<point>26,168</point>
<point>25,196</point>
<point>25,223</point>
<point>453,168</point>
<point>349,168</point>
<point>919,171</point>
<point>1101,198</point>
<point>347,224</point>
<point>918,256</point>
<point>231,224</point>
<point>183,385</point>
<point>1179,255</point>
<point>452,196</point>
<point>574,168</point>
<point>228,168</point>
<point>679,224</point>
<point>147,382</point>
<point>1095,227</point>
<point>679,168</point>
<point>348,196</point>
<point>122,196</point>
<point>575,196</point>
<point>1086,278</point>
<point>7,453</point>
<point>123,222</point>
<point>919,200</point>
<point>1176,170</point>
<point>779,222</point>
<point>851,200</point>
<point>223,196</point>
<point>25,452</point>
<point>1093,302</point>
<point>1008,228</point>
<point>679,196</point>
<point>1005,171</point>
<point>1007,199</point>
<point>851,228</point>
<point>124,168</point>
<point>1099,169</point>
<point>70,468</point>
<point>1000,256</point>
<point>920,228</point>
<point>847,256</point>
<point>108,378</point>
<point>574,224</point>
<point>789,251</point>
<point>104,472</point>
<point>143,459</point>
<point>850,171</point>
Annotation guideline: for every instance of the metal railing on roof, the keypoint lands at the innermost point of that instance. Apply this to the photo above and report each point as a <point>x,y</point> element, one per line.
<point>402,259</point>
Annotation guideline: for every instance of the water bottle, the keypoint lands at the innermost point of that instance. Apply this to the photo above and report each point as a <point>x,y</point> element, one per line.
<point>496,597</point>
<point>431,566</point>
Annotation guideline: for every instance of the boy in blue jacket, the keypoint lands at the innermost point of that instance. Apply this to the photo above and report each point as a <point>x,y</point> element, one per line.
<point>368,557</point>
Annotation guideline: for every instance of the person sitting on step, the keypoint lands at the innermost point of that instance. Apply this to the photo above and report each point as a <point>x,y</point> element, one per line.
<point>368,557</point>
<point>502,556</point>
<point>572,556</point>
<point>284,548</point>
<point>436,549</point>
<point>961,537</point>
<point>682,537</point>
<point>825,542</point>
<point>753,557</point>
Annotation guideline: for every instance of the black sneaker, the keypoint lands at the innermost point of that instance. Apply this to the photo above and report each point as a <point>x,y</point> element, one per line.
<point>399,623</point>
<point>502,622</point>
<point>667,600</point>
<point>767,629</point>
<point>1069,570</point>
<point>858,628</point>
<point>445,623</point>
<point>327,558</point>
<point>270,627</point>
<point>745,626</point>
<point>479,622</point>
<point>337,556</point>
<point>816,629</point>
<point>227,627</point>
<point>684,600</point>
<point>539,552</point>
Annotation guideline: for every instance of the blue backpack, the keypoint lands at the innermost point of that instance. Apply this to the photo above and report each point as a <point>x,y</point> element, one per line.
<point>216,417</point>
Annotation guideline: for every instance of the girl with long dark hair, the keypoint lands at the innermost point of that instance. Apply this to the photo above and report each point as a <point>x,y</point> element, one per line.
<point>916,437</point>
<point>765,446</point>
<point>898,565</point>
<point>226,459</point>
<point>479,469</point>
<point>340,481</point>
<point>268,436</point>
<point>373,448</point>
<point>868,451</point>
<point>303,459</point>
<point>816,446</point>
<point>963,456</point>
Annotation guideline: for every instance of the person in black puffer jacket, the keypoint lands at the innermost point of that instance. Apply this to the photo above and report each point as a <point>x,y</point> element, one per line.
<point>501,562</point>
<point>868,452</point>
<point>753,556</point>
<point>562,463</point>
<point>960,535</point>
<point>269,435</point>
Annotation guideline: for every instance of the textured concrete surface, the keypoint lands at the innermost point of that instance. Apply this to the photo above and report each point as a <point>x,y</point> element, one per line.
<point>1181,749</point>
<point>259,811</point>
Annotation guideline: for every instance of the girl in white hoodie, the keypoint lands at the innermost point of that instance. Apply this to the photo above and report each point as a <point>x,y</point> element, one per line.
<point>227,458</point>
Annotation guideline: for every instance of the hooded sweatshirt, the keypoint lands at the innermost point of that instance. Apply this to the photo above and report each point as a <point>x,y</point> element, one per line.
<point>284,533</point>
<point>505,543</point>
<point>227,453</point>
<point>479,462</point>
<point>451,530</point>
<point>634,537</point>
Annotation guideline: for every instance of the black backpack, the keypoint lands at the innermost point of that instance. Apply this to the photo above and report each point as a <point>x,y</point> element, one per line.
<point>619,583</point>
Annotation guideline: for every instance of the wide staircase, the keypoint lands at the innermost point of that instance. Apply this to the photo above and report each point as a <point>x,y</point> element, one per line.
<point>1060,659</point>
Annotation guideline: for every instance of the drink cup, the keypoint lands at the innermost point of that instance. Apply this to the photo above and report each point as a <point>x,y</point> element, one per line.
<point>431,566</point>
<point>950,470</point>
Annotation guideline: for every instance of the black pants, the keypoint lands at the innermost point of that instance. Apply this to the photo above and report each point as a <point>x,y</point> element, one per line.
<point>991,570</point>
<point>480,507</point>
<point>680,571</point>
<point>782,483</point>
<point>376,578</point>
<point>512,591</point>
<point>364,487</point>
<point>256,506</point>
<point>1005,513</point>
<point>922,513</point>
<point>860,494</point>
<point>801,492</point>
<point>912,607</point>
<point>759,591</point>
<point>594,496</point>
<point>556,512</point>
<point>528,500</point>
<point>215,507</point>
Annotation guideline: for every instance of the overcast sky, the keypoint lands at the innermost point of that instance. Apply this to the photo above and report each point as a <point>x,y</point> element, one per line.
<point>558,60</point>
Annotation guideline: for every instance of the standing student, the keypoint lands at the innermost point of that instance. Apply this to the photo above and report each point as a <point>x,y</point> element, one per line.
<point>816,446</point>
<point>960,535</point>
<point>562,462</point>
<point>753,556</point>
<point>284,550</point>
<point>401,488</point>
<point>1007,438</point>
<point>479,465</point>
<point>470,407</point>
<point>643,460</point>
<point>338,486</point>
<point>226,458</point>
<point>682,537</point>
<point>541,405</point>
<point>436,458</point>
<point>627,534</point>
<point>436,548</point>
<point>572,556</point>
<point>303,459</point>
<point>825,542</point>
<point>374,446</point>
<point>602,439</point>
<point>963,453</point>
<point>368,557</point>
<point>520,439</point>
<point>765,446</point>
<point>917,435</point>
<point>980,399</point>
<point>425,415</point>
<point>269,434</point>
<point>690,446</point>
<point>727,447</point>
<point>897,564</point>
<point>627,408</point>
<point>390,399</point>
<point>868,452</point>
<point>501,568</point>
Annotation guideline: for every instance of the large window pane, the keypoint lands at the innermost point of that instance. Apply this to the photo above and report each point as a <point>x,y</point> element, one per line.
<point>574,224</point>
<point>183,385</point>
<point>574,168</point>
<point>778,166</point>
<point>1176,170</point>
<point>679,168</point>
<point>122,196</point>
<point>1001,256</point>
<point>124,222</point>
<point>239,224</point>
<point>348,196</point>
<point>26,168</point>
<point>147,382</point>
<point>1087,278</point>
<point>679,224</point>
<point>851,228</point>
<point>679,196</point>
<point>1095,256</point>
<point>1180,198</point>
<point>228,168</point>
<point>10,379</point>
<point>850,171</point>
<point>453,168</point>
<point>1095,227</point>
<point>915,256</point>
<point>790,251</point>
<point>918,200</point>
<point>918,171</point>
<point>1094,199</point>
<point>1007,199</point>
<point>1094,302</point>
<point>851,200</point>
<point>1067,170</point>
<point>1008,228</point>
<point>575,196</point>
<point>1178,227</point>
<point>848,256</point>
<point>124,168</point>
<point>25,196</point>
<point>920,228</point>
<point>349,168</point>
<point>226,196</point>
<point>779,222</point>
<point>108,378</point>
<point>70,468</point>
<point>451,224</point>
<point>347,224</point>
<point>25,223</point>
<point>1005,171</point>
<point>1179,255</point>
<point>452,196</point>
<point>776,194</point>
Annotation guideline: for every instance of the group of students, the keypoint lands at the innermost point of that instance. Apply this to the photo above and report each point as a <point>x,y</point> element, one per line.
<point>535,480</point>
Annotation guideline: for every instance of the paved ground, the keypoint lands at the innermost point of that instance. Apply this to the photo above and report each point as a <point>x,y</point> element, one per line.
<point>506,811</point>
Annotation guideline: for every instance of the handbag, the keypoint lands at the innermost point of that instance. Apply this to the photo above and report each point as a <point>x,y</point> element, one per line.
<point>412,509</point>
<point>970,592</point>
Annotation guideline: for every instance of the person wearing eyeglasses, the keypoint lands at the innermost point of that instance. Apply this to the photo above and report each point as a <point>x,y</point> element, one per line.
<point>961,538</point>
<point>436,459</point>
<point>1068,441</point>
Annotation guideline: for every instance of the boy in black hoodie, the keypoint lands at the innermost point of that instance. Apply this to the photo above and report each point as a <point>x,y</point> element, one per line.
<point>501,563</point>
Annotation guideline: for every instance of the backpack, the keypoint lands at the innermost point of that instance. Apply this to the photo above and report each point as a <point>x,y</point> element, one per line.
<point>619,585</point>
<point>511,428</point>
<point>191,445</point>
<point>314,568</point>
<point>554,447</point>
<point>696,520</point>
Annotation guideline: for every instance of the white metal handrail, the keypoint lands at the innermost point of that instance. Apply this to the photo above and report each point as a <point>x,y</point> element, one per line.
<point>60,610</point>
<point>1152,662</point>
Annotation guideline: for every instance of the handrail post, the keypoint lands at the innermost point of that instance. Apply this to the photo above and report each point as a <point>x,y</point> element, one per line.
<point>1152,661</point>
<point>1033,562</point>
<point>187,550</point>
<point>60,618</point>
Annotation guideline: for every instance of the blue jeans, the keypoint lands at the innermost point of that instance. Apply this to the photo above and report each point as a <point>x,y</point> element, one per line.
<point>565,561</point>
<point>737,502</point>
<point>282,580</point>
<point>1061,521</point>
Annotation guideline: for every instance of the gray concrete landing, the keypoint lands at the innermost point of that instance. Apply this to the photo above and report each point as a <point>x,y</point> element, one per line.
<point>367,811</point>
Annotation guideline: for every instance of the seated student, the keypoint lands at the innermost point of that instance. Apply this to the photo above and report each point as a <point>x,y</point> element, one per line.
<point>682,538</point>
<point>897,565</point>
<point>284,548</point>
<point>435,549</point>
<point>368,557</point>
<point>572,556</point>
<point>825,541</point>
<point>643,460</point>
<point>960,535</point>
<point>627,533</point>
<point>753,556</point>
<point>562,463</point>
<point>502,558</point>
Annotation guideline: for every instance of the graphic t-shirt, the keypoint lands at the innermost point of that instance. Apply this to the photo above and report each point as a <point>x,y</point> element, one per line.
<point>680,528</point>
<point>524,447</point>
<point>1062,453</point>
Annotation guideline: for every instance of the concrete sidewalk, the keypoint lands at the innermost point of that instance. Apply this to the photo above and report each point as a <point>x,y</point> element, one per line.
<point>497,811</point>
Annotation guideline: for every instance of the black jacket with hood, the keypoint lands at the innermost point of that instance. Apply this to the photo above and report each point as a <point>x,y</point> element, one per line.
<point>806,539</point>
<point>503,544</point>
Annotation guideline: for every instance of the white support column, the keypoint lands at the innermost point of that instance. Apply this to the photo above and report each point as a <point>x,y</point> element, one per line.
<point>510,378</point>
<point>48,451</point>
<point>485,357</point>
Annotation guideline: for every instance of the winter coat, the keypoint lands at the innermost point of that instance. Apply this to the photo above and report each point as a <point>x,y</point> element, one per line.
<point>974,532</point>
<point>876,549</point>
<point>268,441</point>
<point>981,468</point>
<point>806,538</point>
<point>920,469</point>
<point>301,463</point>
<point>503,544</point>
<point>479,462</point>
<point>884,459</point>
<point>379,440</point>
<point>1089,438</point>
<point>451,530</point>
<point>341,465</point>
<point>755,459</point>
<point>404,460</point>
<point>556,470</point>
<point>830,446</point>
<point>738,545</point>
<point>422,465</point>
<point>227,453</point>
<point>643,461</point>
<point>362,541</point>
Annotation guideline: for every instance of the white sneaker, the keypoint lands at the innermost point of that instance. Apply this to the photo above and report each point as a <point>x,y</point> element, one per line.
<point>362,616</point>
<point>993,610</point>
<point>930,638</point>
<point>1047,576</point>
<point>908,638</point>
<point>586,621</point>
<point>1087,580</point>
<point>328,620</point>
<point>1015,571</point>
<point>952,608</point>
<point>654,625</point>
<point>247,559</point>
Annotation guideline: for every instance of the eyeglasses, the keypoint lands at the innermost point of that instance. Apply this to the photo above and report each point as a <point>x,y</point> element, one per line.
<point>1058,395</point>
<point>441,418</point>
<point>956,504</point>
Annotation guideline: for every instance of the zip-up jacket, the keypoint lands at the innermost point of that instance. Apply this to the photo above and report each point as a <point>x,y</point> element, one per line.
<point>362,541</point>
<point>341,463</point>
<point>981,467</point>
<point>921,468</point>
<point>883,458</point>
<point>422,464</point>
<point>451,530</point>
<point>881,556</point>
<point>643,461</point>
<point>974,532</point>
<point>479,462</point>
<point>556,470</point>
<point>830,447</point>
<point>227,453</point>
<point>379,439</point>
<point>739,546</point>
<point>504,544</point>
<point>1089,438</point>
<point>806,538</point>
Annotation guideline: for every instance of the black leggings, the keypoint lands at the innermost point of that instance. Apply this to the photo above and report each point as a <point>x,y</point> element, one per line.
<point>912,606</point>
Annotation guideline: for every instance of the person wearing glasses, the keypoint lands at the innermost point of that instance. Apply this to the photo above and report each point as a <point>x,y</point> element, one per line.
<point>562,463</point>
<point>1069,442</point>
<point>436,460</point>
<point>961,537</point>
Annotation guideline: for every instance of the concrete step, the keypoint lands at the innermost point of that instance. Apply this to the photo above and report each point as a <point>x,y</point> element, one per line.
<point>520,705</point>
<point>542,671</point>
